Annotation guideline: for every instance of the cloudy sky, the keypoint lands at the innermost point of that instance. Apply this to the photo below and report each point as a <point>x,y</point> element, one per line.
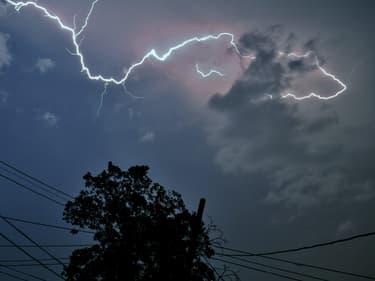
<point>277,173</point>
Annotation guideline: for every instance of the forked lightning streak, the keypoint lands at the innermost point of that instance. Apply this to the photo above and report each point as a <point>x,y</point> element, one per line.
<point>77,37</point>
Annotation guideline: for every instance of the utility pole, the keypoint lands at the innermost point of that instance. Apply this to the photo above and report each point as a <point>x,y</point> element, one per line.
<point>199,216</point>
<point>195,229</point>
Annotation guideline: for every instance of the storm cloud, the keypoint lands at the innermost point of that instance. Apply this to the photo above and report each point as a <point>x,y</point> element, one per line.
<point>273,137</point>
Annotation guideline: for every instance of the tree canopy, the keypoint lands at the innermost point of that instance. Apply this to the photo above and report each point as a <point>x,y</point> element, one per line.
<point>142,231</point>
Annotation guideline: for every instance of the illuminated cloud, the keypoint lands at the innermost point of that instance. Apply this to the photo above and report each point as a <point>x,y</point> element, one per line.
<point>272,138</point>
<point>44,64</point>
<point>148,137</point>
<point>50,119</point>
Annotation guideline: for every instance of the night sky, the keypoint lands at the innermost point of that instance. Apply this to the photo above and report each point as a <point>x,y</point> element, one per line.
<point>276,173</point>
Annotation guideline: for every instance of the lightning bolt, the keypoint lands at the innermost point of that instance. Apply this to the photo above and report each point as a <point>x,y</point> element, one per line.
<point>77,37</point>
<point>75,34</point>
<point>208,74</point>
<point>322,70</point>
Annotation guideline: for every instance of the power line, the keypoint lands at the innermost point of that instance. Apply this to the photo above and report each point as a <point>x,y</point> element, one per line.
<point>3,262</point>
<point>299,264</point>
<point>277,268</point>
<point>14,174</point>
<point>295,263</point>
<point>30,239</point>
<point>358,236</point>
<point>258,269</point>
<point>30,256</point>
<point>36,179</point>
<point>48,225</point>
<point>32,190</point>
<point>50,246</point>
<point>19,263</point>
<point>22,273</point>
<point>243,253</point>
<point>318,245</point>
<point>13,276</point>
<point>34,264</point>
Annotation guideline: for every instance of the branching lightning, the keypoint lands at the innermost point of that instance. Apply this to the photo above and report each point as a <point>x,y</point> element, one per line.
<point>325,73</point>
<point>208,74</point>
<point>77,37</point>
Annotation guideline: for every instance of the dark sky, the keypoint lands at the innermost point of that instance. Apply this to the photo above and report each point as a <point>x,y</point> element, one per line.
<point>276,173</point>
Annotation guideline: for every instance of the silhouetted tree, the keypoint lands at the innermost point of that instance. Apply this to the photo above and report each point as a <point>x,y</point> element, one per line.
<point>143,232</point>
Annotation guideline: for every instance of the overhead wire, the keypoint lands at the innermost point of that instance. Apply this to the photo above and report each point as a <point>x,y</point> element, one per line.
<point>49,225</point>
<point>36,179</point>
<point>20,261</point>
<point>30,239</point>
<point>13,276</point>
<point>30,256</point>
<point>49,246</point>
<point>258,269</point>
<point>44,189</point>
<point>296,263</point>
<point>9,267</point>
<point>277,268</point>
<point>32,190</point>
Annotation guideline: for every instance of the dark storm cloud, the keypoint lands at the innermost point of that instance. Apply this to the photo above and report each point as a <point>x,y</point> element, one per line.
<point>272,137</point>
<point>321,123</point>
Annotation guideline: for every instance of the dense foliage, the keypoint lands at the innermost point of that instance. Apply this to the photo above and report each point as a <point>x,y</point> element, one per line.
<point>143,232</point>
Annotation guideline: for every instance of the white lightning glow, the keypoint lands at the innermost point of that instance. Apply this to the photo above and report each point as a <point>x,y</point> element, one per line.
<point>325,73</point>
<point>208,74</point>
<point>18,5</point>
<point>77,37</point>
